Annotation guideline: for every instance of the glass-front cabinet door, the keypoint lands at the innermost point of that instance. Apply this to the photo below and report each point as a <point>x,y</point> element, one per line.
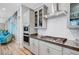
<point>40,18</point>
<point>36,18</point>
<point>40,21</point>
<point>74,15</point>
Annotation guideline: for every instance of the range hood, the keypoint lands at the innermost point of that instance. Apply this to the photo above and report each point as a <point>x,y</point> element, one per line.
<point>56,11</point>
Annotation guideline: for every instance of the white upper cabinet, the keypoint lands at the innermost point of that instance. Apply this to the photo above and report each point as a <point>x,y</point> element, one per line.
<point>40,21</point>
<point>25,15</point>
<point>26,18</point>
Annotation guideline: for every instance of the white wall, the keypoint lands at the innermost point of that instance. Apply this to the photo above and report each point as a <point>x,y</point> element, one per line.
<point>2,19</point>
<point>58,27</point>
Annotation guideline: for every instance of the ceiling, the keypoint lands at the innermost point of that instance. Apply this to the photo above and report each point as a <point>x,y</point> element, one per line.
<point>36,5</point>
<point>8,9</point>
<point>32,5</point>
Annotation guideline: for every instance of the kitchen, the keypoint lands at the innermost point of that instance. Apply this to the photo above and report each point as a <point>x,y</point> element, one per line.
<point>62,32</point>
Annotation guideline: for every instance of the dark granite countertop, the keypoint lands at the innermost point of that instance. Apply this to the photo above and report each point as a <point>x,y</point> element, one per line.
<point>58,41</point>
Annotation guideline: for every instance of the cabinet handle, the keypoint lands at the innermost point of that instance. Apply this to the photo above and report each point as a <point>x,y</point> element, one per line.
<point>48,50</point>
<point>33,43</point>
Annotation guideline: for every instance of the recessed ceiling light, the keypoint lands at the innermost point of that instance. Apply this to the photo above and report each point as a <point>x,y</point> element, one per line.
<point>3,9</point>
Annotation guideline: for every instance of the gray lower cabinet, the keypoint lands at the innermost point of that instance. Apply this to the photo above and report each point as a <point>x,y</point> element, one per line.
<point>67,51</point>
<point>39,47</point>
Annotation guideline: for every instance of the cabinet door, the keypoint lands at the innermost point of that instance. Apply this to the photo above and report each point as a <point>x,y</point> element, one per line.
<point>45,49</point>
<point>40,18</point>
<point>52,51</point>
<point>34,45</point>
<point>31,44</point>
<point>67,51</point>
<point>26,17</point>
<point>36,18</point>
<point>42,48</point>
<point>40,21</point>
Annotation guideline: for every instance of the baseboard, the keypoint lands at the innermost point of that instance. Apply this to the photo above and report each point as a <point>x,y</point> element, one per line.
<point>30,51</point>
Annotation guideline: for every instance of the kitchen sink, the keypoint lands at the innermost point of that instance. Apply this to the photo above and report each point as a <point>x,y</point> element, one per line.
<point>54,39</point>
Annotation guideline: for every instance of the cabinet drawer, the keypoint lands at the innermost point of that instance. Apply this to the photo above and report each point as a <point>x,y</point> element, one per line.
<point>52,51</point>
<point>67,51</point>
<point>56,47</point>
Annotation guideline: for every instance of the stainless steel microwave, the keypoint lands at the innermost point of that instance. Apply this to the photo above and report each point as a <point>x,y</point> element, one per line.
<point>25,28</point>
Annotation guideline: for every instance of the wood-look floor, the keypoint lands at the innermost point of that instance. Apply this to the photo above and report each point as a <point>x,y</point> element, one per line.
<point>13,49</point>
